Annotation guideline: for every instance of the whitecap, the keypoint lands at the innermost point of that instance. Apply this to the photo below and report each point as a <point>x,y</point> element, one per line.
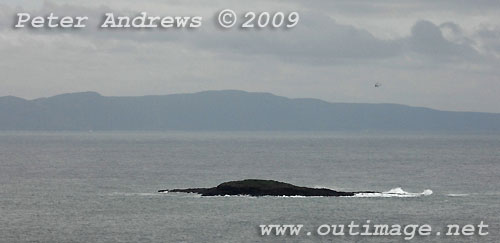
<point>147,194</point>
<point>395,192</point>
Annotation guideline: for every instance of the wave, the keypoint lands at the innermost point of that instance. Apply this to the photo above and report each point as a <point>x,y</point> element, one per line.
<point>248,196</point>
<point>395,192</point>
<point>143,194</point>
<point>457,195</point>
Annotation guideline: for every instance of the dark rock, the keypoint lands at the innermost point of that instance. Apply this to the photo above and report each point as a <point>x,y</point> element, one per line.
<point>255,187</point>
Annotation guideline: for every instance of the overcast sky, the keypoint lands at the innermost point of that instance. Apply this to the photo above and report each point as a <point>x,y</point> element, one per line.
<point>439,54</point>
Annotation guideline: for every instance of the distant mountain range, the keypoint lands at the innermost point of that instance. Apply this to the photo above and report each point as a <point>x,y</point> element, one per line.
<point>227,110</point>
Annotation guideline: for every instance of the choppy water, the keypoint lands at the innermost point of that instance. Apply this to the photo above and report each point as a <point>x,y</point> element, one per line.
<point>101,187</point>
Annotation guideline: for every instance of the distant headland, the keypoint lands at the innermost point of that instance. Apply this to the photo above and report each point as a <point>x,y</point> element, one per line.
<point>227,110</point>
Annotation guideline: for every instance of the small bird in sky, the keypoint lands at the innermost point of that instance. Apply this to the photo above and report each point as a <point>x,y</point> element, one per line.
<point>378,85</point>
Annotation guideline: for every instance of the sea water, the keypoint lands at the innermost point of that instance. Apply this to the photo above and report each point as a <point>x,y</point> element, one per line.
<point>102,186</point>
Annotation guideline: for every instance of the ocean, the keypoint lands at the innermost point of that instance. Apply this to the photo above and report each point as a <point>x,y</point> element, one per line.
<point>102,186</point>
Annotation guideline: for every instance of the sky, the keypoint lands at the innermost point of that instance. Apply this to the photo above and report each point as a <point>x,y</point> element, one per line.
<point>438,54</point>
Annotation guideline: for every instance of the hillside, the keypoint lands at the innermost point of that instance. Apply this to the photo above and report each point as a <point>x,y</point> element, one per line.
<point>226,110</point>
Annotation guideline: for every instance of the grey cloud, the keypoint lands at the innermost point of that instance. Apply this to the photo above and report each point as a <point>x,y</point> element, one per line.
<point>455,28</point>
<point>427,39</point>
<point>5,16</point>
<point>318,39</point>
<point>490,40</point>
<point>364,7</point>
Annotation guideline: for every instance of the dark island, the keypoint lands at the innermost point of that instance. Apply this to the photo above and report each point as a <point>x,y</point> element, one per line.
<point>255,187</point>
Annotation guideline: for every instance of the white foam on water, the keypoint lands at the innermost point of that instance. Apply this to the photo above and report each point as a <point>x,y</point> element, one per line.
<point>395,192</point>
<point>148,194</point>
<point>248,196</point>
<point>427,192</point>
<point>457,195</point>
<point>297,196</point>
<point>223,196</point>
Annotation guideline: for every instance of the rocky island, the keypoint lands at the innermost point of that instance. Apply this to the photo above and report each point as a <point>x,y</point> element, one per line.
<point>255,187</point>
